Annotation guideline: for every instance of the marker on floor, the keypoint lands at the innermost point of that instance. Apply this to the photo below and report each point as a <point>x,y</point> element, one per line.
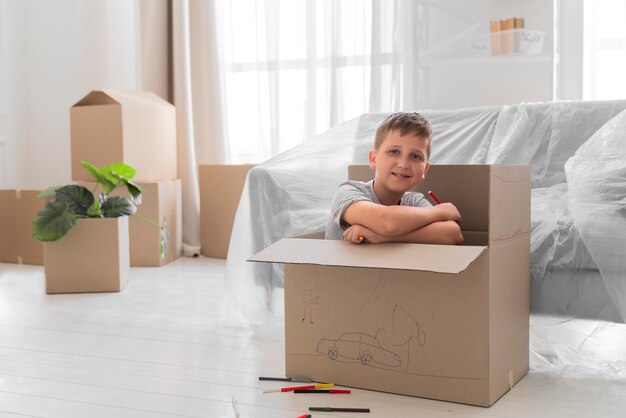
<point>322,391</point>
<point>290,388</point>
<point>332,409</point>
<point>287,379</point>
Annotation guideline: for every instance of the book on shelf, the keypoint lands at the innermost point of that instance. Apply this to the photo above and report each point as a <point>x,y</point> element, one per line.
<point>504,39</point>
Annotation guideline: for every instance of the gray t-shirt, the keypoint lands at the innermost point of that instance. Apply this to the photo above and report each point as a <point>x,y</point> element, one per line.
<point>355,191</point>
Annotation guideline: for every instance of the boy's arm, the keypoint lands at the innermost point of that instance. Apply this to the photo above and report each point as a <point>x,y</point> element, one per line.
<point>398,220</point>
<point>443,232</point>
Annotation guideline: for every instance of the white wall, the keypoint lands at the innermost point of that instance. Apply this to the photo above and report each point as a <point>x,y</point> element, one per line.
<point>59,51</point>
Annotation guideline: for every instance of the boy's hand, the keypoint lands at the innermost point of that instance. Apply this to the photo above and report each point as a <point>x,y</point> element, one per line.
<point>448,212</point>
<point>358,234</point>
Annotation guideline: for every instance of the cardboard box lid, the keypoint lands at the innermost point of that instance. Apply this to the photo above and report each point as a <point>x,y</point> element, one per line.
<point>418,257</point>
<point>109,96</point>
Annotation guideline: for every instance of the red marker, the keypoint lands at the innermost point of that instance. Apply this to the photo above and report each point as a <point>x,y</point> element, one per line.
<point>304,416</point>
<point>434,197</point>
<point>289,389</point>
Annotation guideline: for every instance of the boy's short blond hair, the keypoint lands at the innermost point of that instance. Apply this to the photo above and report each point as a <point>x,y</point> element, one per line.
<point>405,122</point>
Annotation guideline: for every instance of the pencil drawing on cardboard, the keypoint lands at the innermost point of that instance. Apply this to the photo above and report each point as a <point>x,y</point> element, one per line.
<point>390,347</point>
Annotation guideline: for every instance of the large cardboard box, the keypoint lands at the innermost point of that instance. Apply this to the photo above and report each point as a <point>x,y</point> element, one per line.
<point>136,128</point>
<point>160,199</point>
<point>92,257</point>
<point>18,208</point>
<point>436,321</point>
<point>220,190</point>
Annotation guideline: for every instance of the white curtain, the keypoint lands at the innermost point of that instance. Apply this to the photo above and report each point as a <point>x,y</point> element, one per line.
<point>293,69</point>
<point>196,82</point>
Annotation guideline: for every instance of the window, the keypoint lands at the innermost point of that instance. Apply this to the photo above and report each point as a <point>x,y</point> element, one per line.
<point>604,54</point>
<point>292,69</point>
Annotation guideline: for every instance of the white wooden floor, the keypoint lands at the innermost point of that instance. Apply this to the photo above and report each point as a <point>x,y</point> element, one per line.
<point>156,350</point>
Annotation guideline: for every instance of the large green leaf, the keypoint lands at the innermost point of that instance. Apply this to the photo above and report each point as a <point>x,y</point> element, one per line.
<point>78,198</point>
<point>116,206</point>
<point>53,221</point>
<point>49,192</point>
<point>108,184</point>
<point>122,170</point>
<point>135,191</point>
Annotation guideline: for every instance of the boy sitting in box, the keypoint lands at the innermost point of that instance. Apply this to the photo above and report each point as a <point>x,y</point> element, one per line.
<point>383,210</point>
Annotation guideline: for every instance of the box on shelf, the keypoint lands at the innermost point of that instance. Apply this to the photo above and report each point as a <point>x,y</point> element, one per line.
<point>220,190</point>
<point>92,257</point>
<point>18,208</point>
<point>436,321</point>
<point>514,42</point>
<point>136,128</point>
<point>161,199</point>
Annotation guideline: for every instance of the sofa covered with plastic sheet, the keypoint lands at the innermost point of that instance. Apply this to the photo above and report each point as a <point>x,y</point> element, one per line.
<point>577,151</point>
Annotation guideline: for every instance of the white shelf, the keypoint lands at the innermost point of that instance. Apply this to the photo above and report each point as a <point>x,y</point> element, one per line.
<point>491,60</point>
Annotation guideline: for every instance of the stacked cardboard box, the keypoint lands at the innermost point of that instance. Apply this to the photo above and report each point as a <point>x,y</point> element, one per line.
<point>220,190</point>
<point>138,129</point>
<point>17,211</point>
<point>437,321</point>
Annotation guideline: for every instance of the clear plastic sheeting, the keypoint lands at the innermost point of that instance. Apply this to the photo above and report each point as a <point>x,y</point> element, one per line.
<point>578,348</point>
<point>596,178</point>
<point>555,243</point>
<point>290,195</point>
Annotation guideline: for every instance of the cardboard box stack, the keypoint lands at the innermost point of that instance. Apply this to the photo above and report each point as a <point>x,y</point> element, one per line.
<point>138,129</point>
<point>220,190</point>
<point>18,208</point>
<point>436,321</point>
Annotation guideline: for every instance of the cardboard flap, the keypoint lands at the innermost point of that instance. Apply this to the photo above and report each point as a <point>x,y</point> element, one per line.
<point>420,257</point>
<point>109,96</point>
<point>96,98</point>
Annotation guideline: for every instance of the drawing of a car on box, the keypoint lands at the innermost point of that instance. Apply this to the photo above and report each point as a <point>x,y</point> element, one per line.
<point>360,347</point>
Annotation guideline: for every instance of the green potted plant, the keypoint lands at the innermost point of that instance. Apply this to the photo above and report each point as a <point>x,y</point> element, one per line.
<point>93,256</point>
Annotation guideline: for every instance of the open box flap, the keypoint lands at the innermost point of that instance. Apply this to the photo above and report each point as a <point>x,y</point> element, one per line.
<point>420,257</point>
<point>111,96</point>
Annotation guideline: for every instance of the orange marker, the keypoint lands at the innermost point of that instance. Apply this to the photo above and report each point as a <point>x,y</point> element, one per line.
<point>434,197</point>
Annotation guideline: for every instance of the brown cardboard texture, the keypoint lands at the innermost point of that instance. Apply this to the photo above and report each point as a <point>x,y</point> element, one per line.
<point>220,190</point>
<point>18,208</point>
<point>92,257</point>
<point>435,321</point>
<point>137,128</point>
<point>160,199</point>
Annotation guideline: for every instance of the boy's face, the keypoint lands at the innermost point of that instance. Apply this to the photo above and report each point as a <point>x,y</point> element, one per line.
<point>400,162</point>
